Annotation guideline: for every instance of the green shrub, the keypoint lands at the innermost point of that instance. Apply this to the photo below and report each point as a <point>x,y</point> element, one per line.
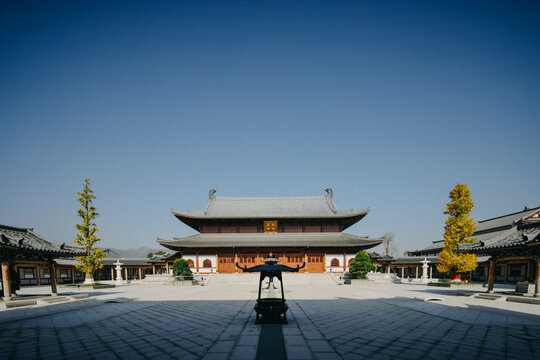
<point>181,268</point>
<point>361,265</point>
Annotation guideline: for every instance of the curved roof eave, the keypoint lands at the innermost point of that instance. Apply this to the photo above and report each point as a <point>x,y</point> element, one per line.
<point>336,216</point>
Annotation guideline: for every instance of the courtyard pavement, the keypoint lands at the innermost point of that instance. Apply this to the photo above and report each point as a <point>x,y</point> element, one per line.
<point>217,321</point>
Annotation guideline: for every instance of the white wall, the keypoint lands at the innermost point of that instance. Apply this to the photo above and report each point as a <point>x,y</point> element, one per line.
<point>212,258</point>
<point>192,258</point>
<point>329,258</point>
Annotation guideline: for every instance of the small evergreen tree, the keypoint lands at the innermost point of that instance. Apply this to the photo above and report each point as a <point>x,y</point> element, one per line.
<point>181,268</point>
<point>361,265</point>
<point>86,237</point>
<point>458,229</point>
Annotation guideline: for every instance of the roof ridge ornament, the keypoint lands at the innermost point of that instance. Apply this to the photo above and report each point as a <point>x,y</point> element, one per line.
<point>211,200</point>
<point>330,200</point>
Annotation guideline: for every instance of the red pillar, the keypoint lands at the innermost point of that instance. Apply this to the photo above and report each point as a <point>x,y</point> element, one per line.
<point>52,271</point>
<point>537,281</point>
<point>6,286</point>
<point>491,277</point>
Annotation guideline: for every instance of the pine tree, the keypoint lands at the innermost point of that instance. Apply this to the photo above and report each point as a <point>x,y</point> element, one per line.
<point>458,229</point>
<point>86,237</point>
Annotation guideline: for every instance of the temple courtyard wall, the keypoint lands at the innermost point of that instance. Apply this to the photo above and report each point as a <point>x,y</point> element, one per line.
<point>326,321</point>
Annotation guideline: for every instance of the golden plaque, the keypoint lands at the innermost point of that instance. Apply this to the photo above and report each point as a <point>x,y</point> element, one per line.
<point>270,226</point>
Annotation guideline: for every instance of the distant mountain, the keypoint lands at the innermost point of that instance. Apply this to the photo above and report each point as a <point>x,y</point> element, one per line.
<point>140,252</point>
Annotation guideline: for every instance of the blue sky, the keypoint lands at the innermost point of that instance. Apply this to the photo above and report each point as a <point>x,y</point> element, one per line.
<point>389,103</point>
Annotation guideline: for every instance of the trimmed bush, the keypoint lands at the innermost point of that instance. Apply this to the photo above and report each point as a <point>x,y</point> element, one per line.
<point>361,265</point>
<point>181,268</point>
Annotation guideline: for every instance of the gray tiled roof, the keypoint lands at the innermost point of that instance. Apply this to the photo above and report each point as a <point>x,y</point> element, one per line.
<point>107,261</point>
<point>505,220</point>
<point>415,260</point>
<point>436,245</point>
<point>167,256</point>
<point>432,260</point>
<point>270,207</point>
<point>127,261</point>
<point>517,236</point>
<point>26,239</point>
<point>326,239</point>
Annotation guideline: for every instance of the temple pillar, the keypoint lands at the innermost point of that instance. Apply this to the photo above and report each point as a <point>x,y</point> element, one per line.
<point>6,286</point>
<point>431,272</point>
<point>140,274</point>
<point>388,269</point>
<point>125,273</point>
<point>537,281</point>
<point>52,271</point>
<point>491,276</point>
<point>416,270</point>
<point>197,262</point>
<point>112,274</point>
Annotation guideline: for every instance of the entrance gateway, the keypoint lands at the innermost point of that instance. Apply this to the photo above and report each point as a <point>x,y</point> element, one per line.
<point>245,230</point>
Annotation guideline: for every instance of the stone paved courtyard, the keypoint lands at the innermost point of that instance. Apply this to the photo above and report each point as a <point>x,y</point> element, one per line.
<point>326,321</point>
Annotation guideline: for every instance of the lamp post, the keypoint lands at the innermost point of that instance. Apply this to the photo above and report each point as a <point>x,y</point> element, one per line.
<point>118,269</point>
<point>425,270</point>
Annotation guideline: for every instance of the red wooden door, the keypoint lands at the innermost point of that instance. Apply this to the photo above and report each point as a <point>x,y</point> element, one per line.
<point>315,263</point>
<point>226,264</point>
<point>293,260</point>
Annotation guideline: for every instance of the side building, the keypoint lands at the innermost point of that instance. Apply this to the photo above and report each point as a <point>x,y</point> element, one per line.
<point>508,248</point>
<point>245,230</point>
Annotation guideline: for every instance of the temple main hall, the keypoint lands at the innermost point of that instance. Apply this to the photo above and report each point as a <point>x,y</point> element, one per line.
<point>245,230</point>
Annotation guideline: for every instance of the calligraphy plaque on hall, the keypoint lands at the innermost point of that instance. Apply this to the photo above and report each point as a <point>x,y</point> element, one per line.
<point>270,226</point>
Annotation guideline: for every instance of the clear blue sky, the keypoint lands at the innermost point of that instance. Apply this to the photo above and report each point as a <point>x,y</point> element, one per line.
<point>389,103</point>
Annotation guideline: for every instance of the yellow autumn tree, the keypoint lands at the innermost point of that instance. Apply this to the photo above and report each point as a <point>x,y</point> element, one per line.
<point>458,229</point>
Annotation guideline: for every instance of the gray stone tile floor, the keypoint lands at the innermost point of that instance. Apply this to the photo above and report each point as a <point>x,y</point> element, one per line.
<point>326,321</point>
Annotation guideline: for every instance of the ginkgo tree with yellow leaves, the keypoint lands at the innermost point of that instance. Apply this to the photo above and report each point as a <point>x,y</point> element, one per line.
<point>458,229</point>
<point>87,236</point>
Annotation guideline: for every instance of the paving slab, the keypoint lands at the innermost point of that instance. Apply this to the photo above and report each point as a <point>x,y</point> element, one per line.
<point>326,321</point>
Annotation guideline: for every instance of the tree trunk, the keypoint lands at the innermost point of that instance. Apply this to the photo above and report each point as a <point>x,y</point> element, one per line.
<point>89,278</point>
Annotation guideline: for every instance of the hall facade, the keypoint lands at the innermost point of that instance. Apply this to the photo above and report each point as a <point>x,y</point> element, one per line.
<point>245,230</point>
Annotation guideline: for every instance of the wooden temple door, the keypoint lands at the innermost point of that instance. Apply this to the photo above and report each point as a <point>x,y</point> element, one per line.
<point>315,263</point>
<point>246,260</point>
<point>226,264</point>
<point>293,260</point>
